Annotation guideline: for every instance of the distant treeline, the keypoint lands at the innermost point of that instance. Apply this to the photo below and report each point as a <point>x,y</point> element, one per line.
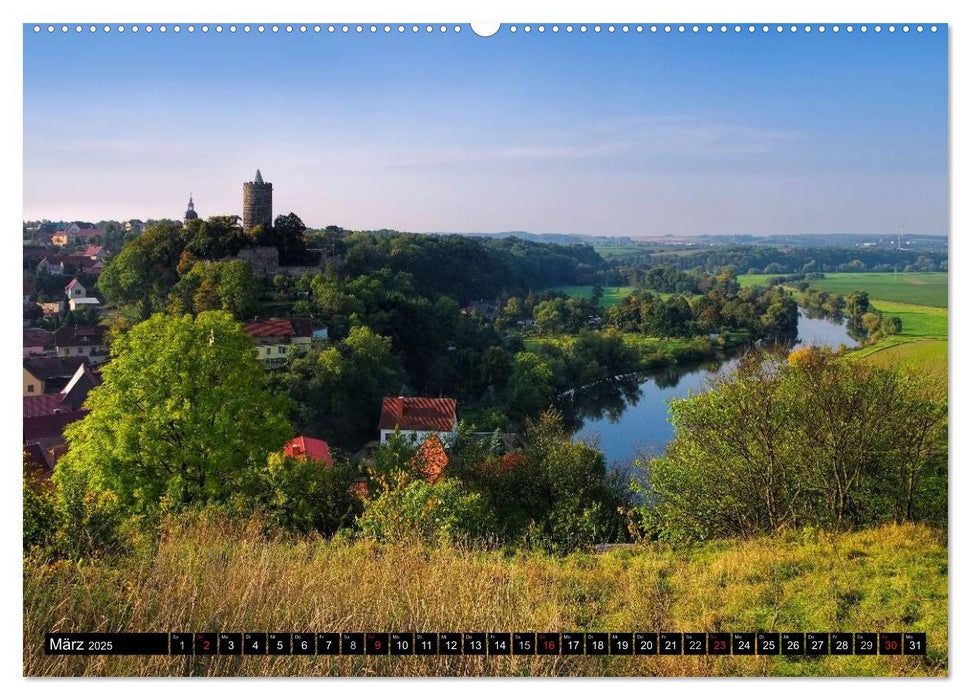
<point>467,268</point>
<point>774,260</point>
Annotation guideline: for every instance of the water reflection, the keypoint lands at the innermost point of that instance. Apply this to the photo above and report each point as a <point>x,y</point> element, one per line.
<point>628,416</point>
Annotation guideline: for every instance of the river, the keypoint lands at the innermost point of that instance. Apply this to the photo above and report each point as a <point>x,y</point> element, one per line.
<point>628,417</point>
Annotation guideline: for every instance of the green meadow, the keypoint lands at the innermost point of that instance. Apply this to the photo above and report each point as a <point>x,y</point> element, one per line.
<point>611,296</point>
<point>920,288</point>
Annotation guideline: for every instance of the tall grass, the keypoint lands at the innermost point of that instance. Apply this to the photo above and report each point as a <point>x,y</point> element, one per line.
<point>214,576</point>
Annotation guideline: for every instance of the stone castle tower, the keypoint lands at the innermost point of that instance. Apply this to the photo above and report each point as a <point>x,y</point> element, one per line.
<point>257,203</point>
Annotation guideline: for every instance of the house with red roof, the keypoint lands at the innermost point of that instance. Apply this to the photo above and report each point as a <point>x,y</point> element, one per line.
<point>77,232</point>
<point>81,341</point>
<point>37,341</point>
<point>44,375</point>
<point>308,448</point>
<point>418,417</point>
<point>273,337</point>
<point>75,290</point>
<point>95,252</point>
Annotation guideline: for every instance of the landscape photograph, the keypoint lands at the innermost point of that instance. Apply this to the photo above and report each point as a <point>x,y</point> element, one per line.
<point>598,350</point>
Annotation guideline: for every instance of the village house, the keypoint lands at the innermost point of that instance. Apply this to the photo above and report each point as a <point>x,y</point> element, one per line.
<point>75,290</point>
<point>95,252</point>
<point>482,307</point>
<point>134,226</point>
<point>84,341</point>
<point>37,341</point>
<point>417,418</point>
<point>48,375</point>
<point>50,265</point>
<point>47,415</point>
<point>308,448</point>
<point>44,233</point>
<point>273,337</point>
<point>78,233</point>
<point>77,295</point>
<point>65,264</point>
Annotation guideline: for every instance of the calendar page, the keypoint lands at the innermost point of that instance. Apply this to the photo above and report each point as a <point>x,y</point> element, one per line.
<point>594,349</point>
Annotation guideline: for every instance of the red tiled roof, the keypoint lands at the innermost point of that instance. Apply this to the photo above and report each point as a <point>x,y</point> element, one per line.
<point>91,251</point>
<point>52,426</point>
<point>417,413</point>
<point>52,367</point>
<point>274,327</point>
<point>72,284</point>
<point>68,336</point>
<point>309,448</point>
<point>34,337</point>
<point>42,405</point>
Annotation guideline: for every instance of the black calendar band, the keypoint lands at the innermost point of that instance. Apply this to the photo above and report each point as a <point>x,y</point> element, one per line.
<point>486,643</point>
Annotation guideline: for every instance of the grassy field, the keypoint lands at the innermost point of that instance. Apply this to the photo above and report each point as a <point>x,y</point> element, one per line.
<point>611,296</point>
<point>216,577</point>
<point>921,288</point>
<point>927,356</point>
<point>617,251</point>
<point>918,321</point>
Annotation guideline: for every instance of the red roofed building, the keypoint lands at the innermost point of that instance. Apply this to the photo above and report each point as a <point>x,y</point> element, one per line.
<point>307,448</point>
<point>418,417</point>
<point>78,232</point>
<point>95,252</point>
<point>87,341</point>
<point>274,336</point>
<point>37,341</point>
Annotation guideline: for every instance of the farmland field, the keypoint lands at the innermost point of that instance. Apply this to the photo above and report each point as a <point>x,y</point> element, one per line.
<point>918,321</point>
<point>612,295</point>
<point>922,288</point>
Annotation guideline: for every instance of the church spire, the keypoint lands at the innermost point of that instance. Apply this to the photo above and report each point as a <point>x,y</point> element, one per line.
<point>190,212</point>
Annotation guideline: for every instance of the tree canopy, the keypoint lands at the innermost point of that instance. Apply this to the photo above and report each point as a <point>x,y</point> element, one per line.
<point>183,416</point>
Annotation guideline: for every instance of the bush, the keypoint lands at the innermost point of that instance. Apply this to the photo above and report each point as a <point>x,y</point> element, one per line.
<point>405,510</point>
<point>306,495</point>
<point>818,440</point>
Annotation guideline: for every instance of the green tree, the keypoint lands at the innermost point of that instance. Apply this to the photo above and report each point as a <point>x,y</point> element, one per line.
<point>305,495</point>
<point>816,440</point>
<point>145,270</point>
<point>530,387</point>
<point>337,391</point>
<point>183,416</point>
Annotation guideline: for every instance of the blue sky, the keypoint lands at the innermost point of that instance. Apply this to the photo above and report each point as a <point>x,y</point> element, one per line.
<point>616,134</point>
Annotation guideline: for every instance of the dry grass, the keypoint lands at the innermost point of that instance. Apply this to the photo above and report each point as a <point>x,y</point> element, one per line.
<point>216,577</point>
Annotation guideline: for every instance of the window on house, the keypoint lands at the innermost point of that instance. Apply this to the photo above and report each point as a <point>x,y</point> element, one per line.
<point>30,388</point>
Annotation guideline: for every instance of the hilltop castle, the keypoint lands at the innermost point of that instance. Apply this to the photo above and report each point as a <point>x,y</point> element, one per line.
<point>257,203</point>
